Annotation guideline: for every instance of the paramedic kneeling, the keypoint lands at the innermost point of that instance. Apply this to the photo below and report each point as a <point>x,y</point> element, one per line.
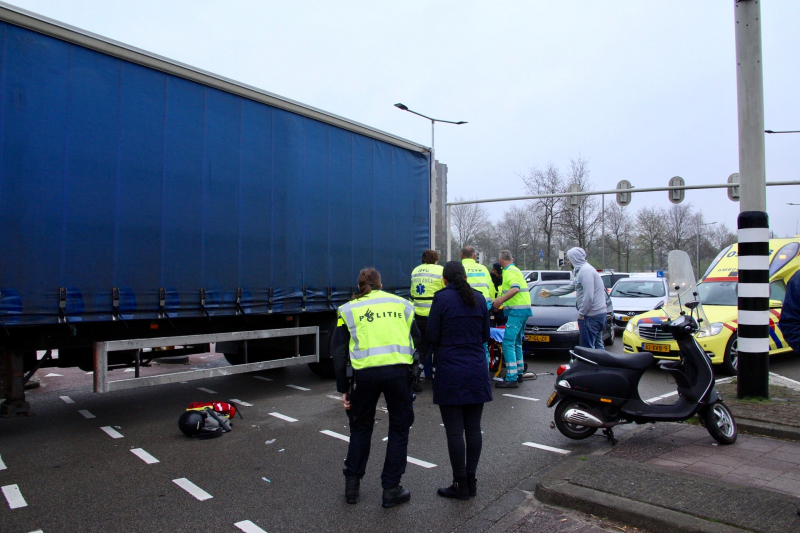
<point>373,337</point>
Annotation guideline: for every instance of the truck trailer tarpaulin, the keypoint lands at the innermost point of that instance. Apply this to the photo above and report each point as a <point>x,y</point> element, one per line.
<point>128,181</point>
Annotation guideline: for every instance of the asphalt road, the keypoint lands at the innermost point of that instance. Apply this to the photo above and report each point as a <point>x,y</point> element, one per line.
<point>280,475</point>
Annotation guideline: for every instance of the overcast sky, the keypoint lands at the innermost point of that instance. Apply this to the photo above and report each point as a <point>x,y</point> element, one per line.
<point>644,89</point>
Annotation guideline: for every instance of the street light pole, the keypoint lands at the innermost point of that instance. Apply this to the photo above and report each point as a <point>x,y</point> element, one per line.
<point>524,262</point>
<point>697,257</point>
<point>796,232</point>
<point>433,175</point>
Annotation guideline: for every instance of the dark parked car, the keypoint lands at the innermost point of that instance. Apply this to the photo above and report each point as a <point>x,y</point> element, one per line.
<point>554,324</point>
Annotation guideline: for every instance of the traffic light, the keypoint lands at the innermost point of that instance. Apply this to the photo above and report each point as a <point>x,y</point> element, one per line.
<point>560,259</point>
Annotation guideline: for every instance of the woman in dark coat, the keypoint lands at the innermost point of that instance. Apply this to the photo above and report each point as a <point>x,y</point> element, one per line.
<point>458,326</point>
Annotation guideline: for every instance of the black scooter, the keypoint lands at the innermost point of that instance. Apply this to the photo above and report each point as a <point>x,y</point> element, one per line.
<point>600,390</point>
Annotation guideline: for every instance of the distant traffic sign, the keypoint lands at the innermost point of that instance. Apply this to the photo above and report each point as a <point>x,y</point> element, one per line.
<point>574,201</point>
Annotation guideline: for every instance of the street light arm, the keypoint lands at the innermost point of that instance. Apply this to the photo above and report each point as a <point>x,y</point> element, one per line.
<point>404,108</point>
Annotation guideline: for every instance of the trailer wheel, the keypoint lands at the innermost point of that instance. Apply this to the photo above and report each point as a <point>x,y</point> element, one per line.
<point>323,369</point>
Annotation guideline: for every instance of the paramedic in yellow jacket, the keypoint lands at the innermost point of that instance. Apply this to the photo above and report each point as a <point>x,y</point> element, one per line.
<point>426,280</point>
<point>516,302</point>
<point>479,279</point>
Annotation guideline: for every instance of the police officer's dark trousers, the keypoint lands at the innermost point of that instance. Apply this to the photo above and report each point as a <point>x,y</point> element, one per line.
<point>394,382</point>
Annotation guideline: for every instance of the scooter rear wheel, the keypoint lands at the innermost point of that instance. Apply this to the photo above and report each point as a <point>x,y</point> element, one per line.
<point>568,429</point>
<point>719,422</point>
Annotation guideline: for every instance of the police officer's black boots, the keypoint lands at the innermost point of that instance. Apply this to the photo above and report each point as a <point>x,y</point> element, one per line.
<point>472,484</point>
<point>459,490</point>
<point>395,496</point>
<point>351,486</point>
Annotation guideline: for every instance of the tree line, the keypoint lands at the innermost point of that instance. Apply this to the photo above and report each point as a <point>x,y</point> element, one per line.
<point>636,240</point>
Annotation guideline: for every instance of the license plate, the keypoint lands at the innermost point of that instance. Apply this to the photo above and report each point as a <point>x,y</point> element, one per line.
<point>625,318</point>
<point>538,338</point>
<point>552,399</point>
<point>650,347</point>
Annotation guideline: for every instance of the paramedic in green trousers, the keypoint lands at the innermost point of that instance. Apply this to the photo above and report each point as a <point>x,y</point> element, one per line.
<point>516,302</point>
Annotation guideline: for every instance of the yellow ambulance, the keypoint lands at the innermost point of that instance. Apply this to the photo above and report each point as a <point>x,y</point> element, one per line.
<point>717,292</point>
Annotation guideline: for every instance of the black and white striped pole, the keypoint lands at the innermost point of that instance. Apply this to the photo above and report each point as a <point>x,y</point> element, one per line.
<point>753,223</point>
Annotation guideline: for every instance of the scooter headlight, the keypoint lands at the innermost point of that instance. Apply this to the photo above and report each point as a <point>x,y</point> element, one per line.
<point>711,330</point>
<point>569,326</point>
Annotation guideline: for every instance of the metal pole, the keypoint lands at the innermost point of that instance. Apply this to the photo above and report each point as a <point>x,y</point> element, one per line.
<point>449,232</point>
<point>433,190</point>
<point>753,222</point>
<point>697,255</point>
<point>603,231</point>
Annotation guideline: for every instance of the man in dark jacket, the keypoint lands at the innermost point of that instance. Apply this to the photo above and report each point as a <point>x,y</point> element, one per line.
<point>790,314</point>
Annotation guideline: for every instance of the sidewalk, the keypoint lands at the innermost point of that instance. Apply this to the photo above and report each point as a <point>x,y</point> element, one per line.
<point>675,478</point>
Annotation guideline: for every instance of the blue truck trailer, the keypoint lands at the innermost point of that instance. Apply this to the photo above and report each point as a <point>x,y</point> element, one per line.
<point>142,198</point>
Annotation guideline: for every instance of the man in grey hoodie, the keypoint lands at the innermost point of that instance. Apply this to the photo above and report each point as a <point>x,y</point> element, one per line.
<point>590,301</point>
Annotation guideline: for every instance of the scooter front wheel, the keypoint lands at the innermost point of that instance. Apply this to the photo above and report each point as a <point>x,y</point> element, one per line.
<point>719,422</point>
<point>568,429</point>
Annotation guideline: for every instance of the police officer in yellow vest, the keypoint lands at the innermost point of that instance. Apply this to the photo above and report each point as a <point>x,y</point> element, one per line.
<point>426,280</point>
<point>376,333</point>
<point>516,302</point>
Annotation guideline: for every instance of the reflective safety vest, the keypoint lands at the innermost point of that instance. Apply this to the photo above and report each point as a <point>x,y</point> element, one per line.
<point>426,280</point>
<point>380,330</point>
<point>513,279</point>
<point>479,279</point>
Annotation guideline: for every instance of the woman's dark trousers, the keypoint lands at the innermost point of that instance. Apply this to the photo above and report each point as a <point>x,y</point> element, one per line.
<point>462,424</point>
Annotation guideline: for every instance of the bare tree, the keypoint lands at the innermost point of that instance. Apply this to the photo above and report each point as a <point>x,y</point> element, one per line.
<point>720,236</point>
<point>650,234</point>
<point>468,222</point>
<point>580,224</point>
<point>618,231</point>
<point>514,230</point>
<point>548,210</point>
<point>680,227</point>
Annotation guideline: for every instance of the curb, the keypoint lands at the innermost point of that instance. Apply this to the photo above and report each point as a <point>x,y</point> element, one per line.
<point>554,488</point>
<point>767,429</point>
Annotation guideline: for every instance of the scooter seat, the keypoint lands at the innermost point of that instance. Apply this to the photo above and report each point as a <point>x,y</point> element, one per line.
<point>633,361</point>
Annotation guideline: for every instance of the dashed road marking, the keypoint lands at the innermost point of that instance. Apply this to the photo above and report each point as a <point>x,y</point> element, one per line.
<point>298,387</point>
<point>111,432</point>
<point>283,417</point>
<point>86,414</point>
<point>2,464</point>
<point>207,356</point>
<point>67,399</point>
<point>53,375</point>
<point>332,397</point>
<point>420,462</point>
<point>546,448</point>
<point>248,527</point>
<point>144,456</point>
<point>412,460</point>
<point>192,489</point>
<point>207,390</point>
<point>521,397</point>
<point>37,531</point>
<point>14,497</point>
<point>130,370</point>
<point>667,395</point>
<point>262,378</point>
<point>240,402</point>
<point>335,435</point>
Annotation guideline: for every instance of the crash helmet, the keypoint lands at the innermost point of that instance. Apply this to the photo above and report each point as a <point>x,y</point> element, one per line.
<point>191,423</point>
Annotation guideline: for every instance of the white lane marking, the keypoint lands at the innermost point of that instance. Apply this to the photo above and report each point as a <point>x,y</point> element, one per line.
<point>14,497</point>
<point>384,439</point>
<point>37,531</point>
<point>262,378</point>
<point>2,464</point>
<point>53,375</point>
<point>521,397</point>
<point>207,390</point>
<point>67,399</point>
<point>547,448</point>
<point>419,462</point>
<point>144,456</point>
<point>192,489</point>
<point>283,417</point>
<point>385,410</point>
<point>207,356</point>
<point>667,395</point>
<point>130,370</point>
<point>297,387</point>
<point>335,435</point>
<point>111,432</point>
<point>240,402</point>
<point>248,527</point>
<point>332,397</point>
<point>86,414</point>
<point>783,380</point>
<point>345,438</point>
